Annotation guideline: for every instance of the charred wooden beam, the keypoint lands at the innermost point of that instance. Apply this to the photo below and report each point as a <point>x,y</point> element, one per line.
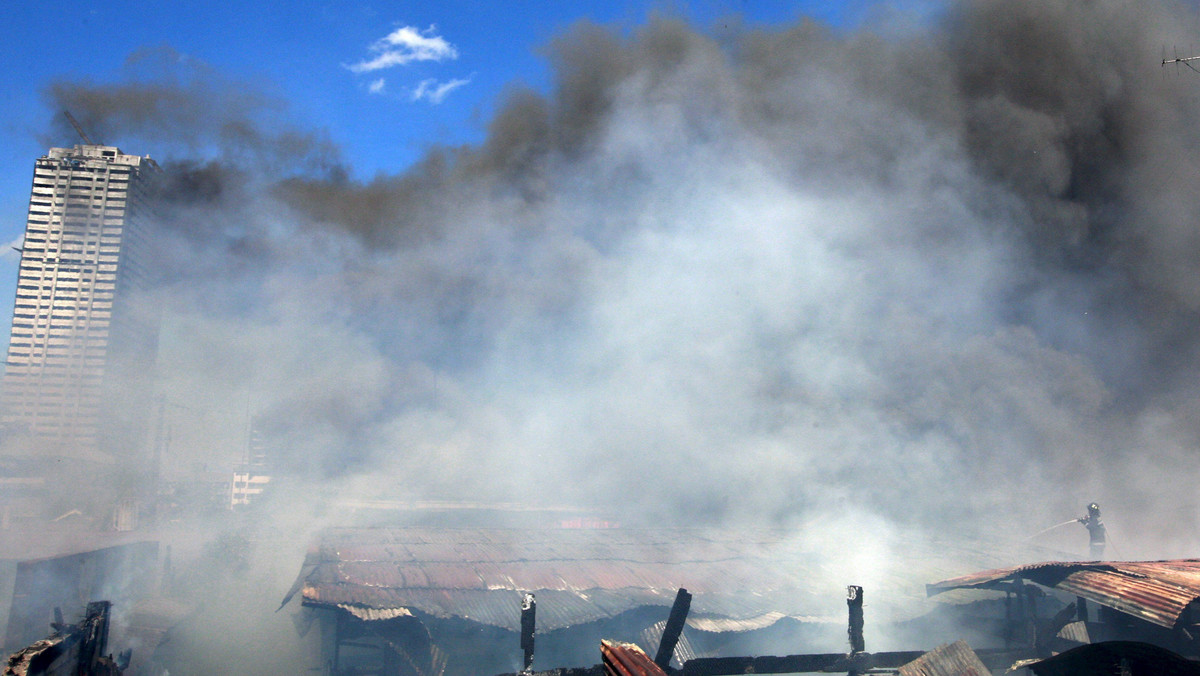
<point>72,649</point>
<point>995,659</point>
<point>854,603</point>
<point>94,636</point>
<point>597,670</point>
<point>528,627</point>
<point>791,664</point>
<point>670,637</point>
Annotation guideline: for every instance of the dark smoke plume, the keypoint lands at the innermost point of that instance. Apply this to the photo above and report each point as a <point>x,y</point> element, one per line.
<point>945,274</point>
<point>176,105</point>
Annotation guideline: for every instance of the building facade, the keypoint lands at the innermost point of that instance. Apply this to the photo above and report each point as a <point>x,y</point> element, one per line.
<point>76,383</point>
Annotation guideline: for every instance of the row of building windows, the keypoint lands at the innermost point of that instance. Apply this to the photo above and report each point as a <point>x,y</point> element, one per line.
<point>93,322</point>
<point>72,235</point>
<point>79,198</point>
<point>96,202</point>
<point>68,325</point>
<point>86,172</point>
<point>31,394</point>
<point>67,292</point>
<point>99,289</point>
<point>78,182</point>
<point>62,330</point>
<point>64,398</point>
<point>56,364</point>
<point>76,339</point>
<point>81,300</point>
<point>34,394</point>
<point>25,370</point>
<point>35,238</point>
<point>87,216</point>
<point>62,353</point>
<point>85,186</point>
<point>59,357</point>
<point>105,257</point>
<point>49,265</point>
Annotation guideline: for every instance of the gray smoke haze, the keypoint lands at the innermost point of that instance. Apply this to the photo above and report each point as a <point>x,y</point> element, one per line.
<point>942,274</point>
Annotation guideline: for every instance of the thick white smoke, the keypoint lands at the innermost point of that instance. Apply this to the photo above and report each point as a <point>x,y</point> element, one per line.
<point>943,274</point>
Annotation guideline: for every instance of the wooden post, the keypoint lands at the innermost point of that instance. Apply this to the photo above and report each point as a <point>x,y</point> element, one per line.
<point>1031,608</point>
<point>528,625</point>
<point>1022,613</point>
<point>671,632</point>
<point>1009,632</point>
<point>339,623</point>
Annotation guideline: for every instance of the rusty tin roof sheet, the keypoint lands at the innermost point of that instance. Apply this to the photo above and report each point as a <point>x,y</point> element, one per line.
<point>627,659</point>
<point>953,659</point>
<point>1155,591</point>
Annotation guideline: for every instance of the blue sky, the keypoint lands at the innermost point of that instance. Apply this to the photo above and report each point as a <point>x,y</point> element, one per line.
<point>459,57</point>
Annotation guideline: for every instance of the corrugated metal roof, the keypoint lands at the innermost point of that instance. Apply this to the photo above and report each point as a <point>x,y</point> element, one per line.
<point>1075,631</point>
<point>578,575</point>
<point>721,624</point>
<point>626,659</point>
<point>738,578</point>
<point>954,659</point>
<point>373,614</point>
<point>1155,591</point>
<point>684,650</point>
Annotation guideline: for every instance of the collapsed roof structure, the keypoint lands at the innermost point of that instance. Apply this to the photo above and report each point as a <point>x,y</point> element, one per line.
<point>579,576</point>
<point>73,650</point>
<point>1147,613</point>
<point>448,600</point>
<point>1161,593</point>
<point>387,585</point>
<point>1147,624</point>
<point>65,577</point>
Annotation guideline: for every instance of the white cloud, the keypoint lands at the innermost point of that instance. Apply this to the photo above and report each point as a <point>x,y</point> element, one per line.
<point>406,45</point>
<point>435,92</point>
<point>376,86</point>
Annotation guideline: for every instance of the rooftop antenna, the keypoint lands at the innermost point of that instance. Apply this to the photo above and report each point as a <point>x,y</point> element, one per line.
<point>1185,61</point>
<point>78,129</point>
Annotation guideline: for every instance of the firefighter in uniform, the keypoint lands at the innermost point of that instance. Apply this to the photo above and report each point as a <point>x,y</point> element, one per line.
<point>1097,536</point>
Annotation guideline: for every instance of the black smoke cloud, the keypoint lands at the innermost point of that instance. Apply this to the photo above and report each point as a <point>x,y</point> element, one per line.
<point>180,106</point>
<point>943,273</point>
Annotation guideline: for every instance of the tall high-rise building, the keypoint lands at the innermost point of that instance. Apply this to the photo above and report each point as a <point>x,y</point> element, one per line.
<point>73,386</point>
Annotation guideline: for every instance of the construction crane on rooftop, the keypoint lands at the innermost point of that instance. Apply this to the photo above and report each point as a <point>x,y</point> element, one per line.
<point>78,129</point>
